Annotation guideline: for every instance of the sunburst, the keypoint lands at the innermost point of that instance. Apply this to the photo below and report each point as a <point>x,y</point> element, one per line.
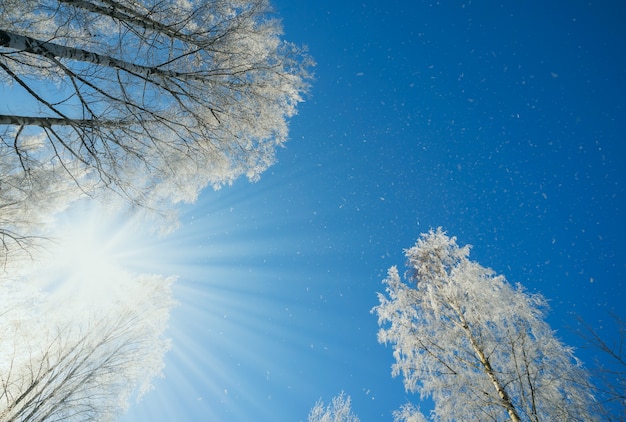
<point>93,255</point>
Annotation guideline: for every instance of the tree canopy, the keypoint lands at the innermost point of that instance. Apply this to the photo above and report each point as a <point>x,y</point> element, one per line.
<point>151,99</point>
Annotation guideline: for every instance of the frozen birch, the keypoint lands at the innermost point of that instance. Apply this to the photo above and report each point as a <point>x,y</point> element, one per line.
<point>151,99</point>
<point>474,344</point>
<point>155,98</point>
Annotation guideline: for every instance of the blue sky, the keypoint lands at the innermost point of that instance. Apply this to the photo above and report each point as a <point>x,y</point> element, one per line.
<point>503,123</point>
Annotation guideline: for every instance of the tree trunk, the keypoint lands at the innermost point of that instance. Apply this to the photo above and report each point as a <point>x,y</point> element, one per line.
<point>55,121</point>
<point>484,361</point>
<point>57,51</point>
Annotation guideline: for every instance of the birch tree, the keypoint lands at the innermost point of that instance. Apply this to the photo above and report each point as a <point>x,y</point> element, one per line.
<point>151,99</point>
<point>156,98</point>
<point>57,364</point>
<point>338,410</point>
<point>474,344</point>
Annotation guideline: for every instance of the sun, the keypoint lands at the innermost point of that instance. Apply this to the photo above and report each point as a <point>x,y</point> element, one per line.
<point>87,256</point>
<point>94,253</point>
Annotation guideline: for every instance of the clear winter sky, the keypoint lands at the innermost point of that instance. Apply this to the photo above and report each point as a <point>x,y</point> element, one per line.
<point>502,122</point>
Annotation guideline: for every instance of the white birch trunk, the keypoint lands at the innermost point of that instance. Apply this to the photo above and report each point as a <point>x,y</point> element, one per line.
<point>26,44</point>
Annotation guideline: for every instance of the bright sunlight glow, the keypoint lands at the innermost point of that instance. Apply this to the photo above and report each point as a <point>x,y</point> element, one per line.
<point>94,254</point>
<point>87,257</point>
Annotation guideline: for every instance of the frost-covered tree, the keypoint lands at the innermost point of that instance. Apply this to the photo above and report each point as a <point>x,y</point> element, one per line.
<point>408,413</point>
<point>339,410</point>
<point>62,363</point>
<point>156,98</point>
<point>151,99</point>
<point>474,344</point>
